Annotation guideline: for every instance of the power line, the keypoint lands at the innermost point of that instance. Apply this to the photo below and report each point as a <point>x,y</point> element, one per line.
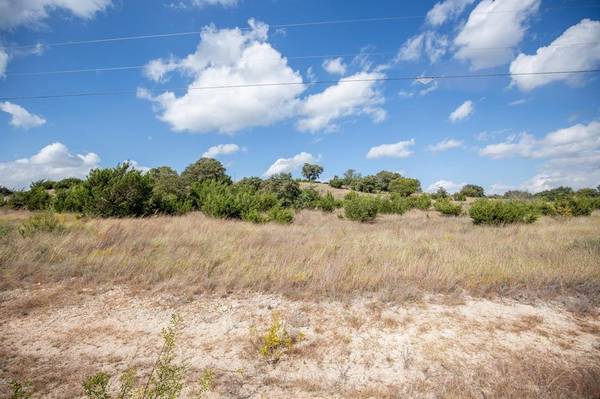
<point>382,79</point>
<point>275,26</point>
<point>319,56</point>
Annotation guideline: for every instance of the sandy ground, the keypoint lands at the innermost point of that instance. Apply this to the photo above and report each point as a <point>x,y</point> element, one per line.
<point>438,347</point>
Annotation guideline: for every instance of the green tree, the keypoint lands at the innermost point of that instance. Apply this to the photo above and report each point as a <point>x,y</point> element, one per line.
<point>311,171</point>
<point>336,182</point>
<point>284,187</point>
<point>384,178</point>
<point>472,190</point>
<point>205,169</point>
<point>405,186</point>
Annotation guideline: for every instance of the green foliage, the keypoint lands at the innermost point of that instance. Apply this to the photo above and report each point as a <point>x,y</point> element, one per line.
<point>205,169</point>
<point>5,229</point>
<point>360,208</point>
<point>440,193</point>
<point>336,182</point>
<point>555,193</point>
<point>284,187</point>
<point>40,222</point>
<point>311,171</point>
<point>249,183</point>
<point>76,198</point>
<point>459,197</point>
<point>96,386</point>
<point>422,202</point>
<point>518,194</point>
<point>118,192</point>
<point>405,186</point>
<point>447,208</point>
<point>44,184</point>
<point>206,382</point>
<point>574,206</point>
<point>18,200</point>
<point>276,341</point>
<point>367,184</point>
<point>472,190</point>
<point>37,199</point>
<point>218,200</point>
<point>20,390</point>
<point>384,178</point>
<point>5,191</point>
<point>168,192</point>
<point>281,215</point>
<point>350,176</point>
<point>327,203</point>
<point>498,212</point>
<point>308,198</point>
<point>67,183</point>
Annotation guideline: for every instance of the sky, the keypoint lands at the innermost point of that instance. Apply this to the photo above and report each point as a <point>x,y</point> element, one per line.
<point>267,85</point>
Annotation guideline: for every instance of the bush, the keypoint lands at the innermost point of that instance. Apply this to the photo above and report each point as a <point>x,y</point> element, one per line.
<point>367,184</point>
<point>472,190</point>
<point>336,182</point>
<point>422,202</point>
<point>327,203</point>
<point>18,200</point>
<point>574,206</point>
<point>284,187</point>
<point>447,208</point>
<point>281,215</point>
<point>384,178</point>
<point>308,199</point>
<point>205,169</point>
<point>459,197</point>
<point>360,208</point>
<point>249,183</point>
<point>219,201</point>
<point>37,199</point>
<point>119,192</point>
<point>40,222</point>
<point>74,199</point>
<point>405,186</point>
<point>498,212</point>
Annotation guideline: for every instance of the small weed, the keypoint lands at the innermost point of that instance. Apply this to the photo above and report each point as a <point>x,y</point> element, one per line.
<point>206,382</point>
<point>96,386</point>
<point>21,390</point>
<point>276,341</point>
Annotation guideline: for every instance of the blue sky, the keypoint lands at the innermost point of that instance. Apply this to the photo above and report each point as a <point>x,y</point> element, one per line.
<point>518,131</point>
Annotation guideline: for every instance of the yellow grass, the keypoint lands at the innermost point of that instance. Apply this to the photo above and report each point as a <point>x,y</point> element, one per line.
<point>397,257</point>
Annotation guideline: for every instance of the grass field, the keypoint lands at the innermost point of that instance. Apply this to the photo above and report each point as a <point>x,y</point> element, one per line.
<point>418,305</point>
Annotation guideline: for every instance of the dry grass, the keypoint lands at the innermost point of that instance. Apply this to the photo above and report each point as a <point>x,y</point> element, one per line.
<point>398,257</point>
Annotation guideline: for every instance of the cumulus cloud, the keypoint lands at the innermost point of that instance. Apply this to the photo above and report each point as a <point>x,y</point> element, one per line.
<point>572,156</point>
<point>445,145</point>
<point>447,185</point>
<point>578,48</point>
<point>20,117</point>
<point>323,110</point>
<point>490,24</point>
<point>14,13</point>
<point>430,43</point>
<point>446,10</point>
<point>228,57</point>
<point>400,149</point>
<point>52,162</point>
<point>222,149</point>
<point>462,112</point>
<point>335,66</point>
<point>288,165</point>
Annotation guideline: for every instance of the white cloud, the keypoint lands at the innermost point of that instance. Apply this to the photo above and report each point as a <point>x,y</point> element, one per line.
<point>3,62</point>
<point>446,10</point>
<point>572,156</point>
<point>563,54</point>
<point>462,112</point>
<point>202,3</point>
<point>321,111</point>
<point>430,43</point>
<point>20,117</point>
<point>447,185</point>
<point>520,101</point>
<point>14,13</point>
<point>498,24</point>
<point>573,141</point>
<point>445,145</point>
<point>52,162</point>
<point>335,66</point>
<point>288,165</point>
<point>222,149</point>
<point>396,150</point>
<point>223,58</point>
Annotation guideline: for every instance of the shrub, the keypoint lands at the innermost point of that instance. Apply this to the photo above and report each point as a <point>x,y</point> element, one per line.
<point>497,212</point>
<point>168,195</point>
<point>249,183</point>
<point>281,215</point>
<point>574,206</point>
<point>219,201</point>
<point>440,193</point>
<point>361,208</point>
<point>308,199</point>
<point>67,183</point>
<point>205,169</point>
<point>5,191</point>
<point>284,187</point>
<point>76,198</point>
<point>18,200</point>
<point>405,186</point>
<point>384,178</point>
<point>40,222</point>
<point>255,216</point>
<point>96,386</point>
<point>118,192</point>
<point>459,197</point>
<point>422,202</point>
<point>336,182</point>
<point>327,203</point>
<point>367,184</point>
<point>447,208</point>
<point>555,193</point>
<point>311,171</point>
<point>472,190</point>
<point>276,341</point>
<point>37,199</point>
